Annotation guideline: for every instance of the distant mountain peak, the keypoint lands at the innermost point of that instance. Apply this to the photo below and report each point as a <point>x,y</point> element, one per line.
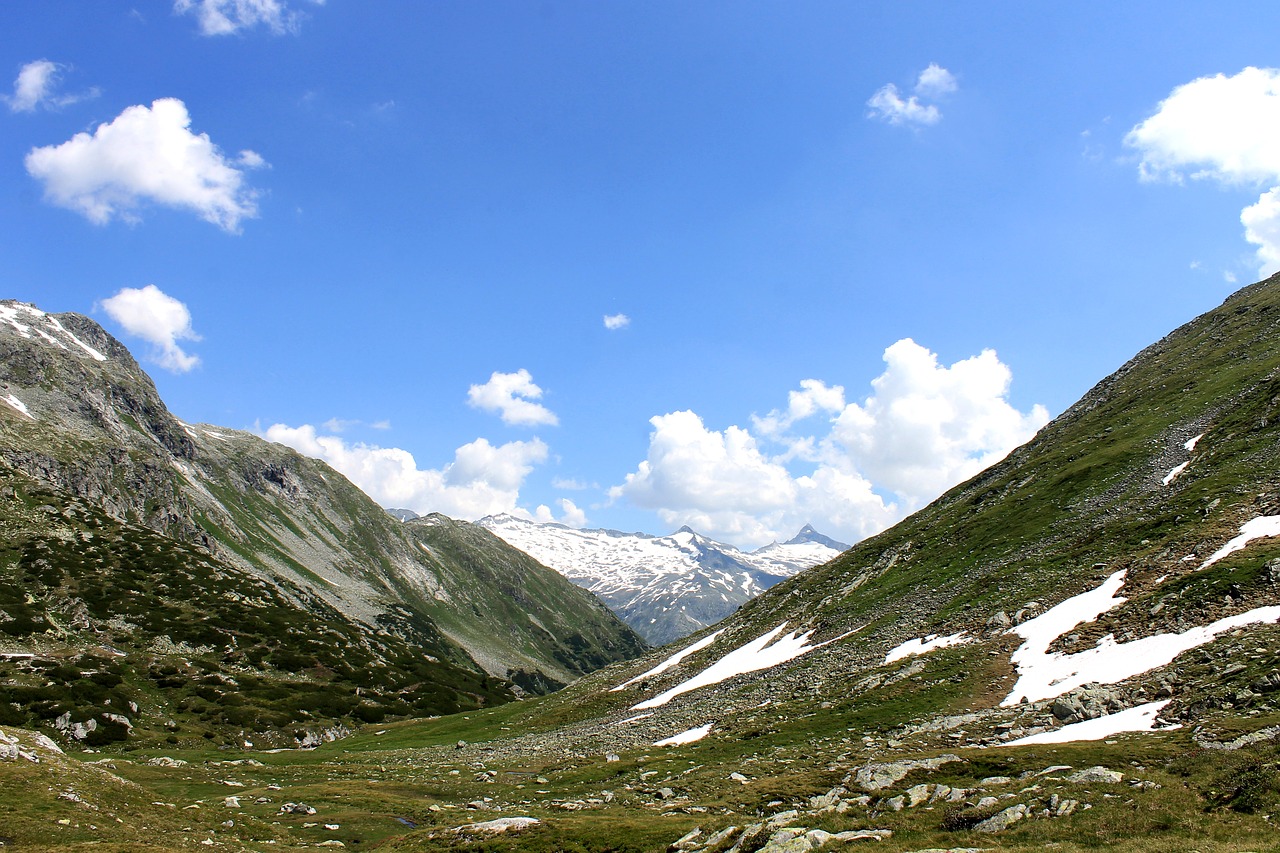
<point>808,534</point>
<point>662,586</point>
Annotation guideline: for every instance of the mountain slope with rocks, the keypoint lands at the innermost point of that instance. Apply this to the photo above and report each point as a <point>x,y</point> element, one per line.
<point>1128,554</point>
<point>1077,648</point>
<point>664,587</point>
<point>84,433</point>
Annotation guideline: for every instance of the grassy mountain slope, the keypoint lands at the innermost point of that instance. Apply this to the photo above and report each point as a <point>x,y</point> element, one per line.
<point>82,427</point>
<point>915,750</point>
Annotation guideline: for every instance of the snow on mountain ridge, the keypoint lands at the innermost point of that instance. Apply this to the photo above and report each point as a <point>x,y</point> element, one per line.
<point>664,587</point>
<point>26,319</point>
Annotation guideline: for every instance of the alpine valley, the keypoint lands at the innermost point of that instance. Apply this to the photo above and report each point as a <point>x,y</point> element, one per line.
<point>1078,648</point>
<point>664,587</point>
<point>208,584</point>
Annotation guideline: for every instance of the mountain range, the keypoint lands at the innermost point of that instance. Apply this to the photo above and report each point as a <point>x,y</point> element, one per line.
<point>1078,648</point>
<point>664,587</point>
<point>152,545</point>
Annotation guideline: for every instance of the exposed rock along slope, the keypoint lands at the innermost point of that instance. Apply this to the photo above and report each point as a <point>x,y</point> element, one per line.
<point>1119,573</point>
<point>1142,526</point>
<point>665,587</point>
<point>93,459</point>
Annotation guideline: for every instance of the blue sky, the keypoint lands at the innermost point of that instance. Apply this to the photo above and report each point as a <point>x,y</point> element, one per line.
<point>397,229</point>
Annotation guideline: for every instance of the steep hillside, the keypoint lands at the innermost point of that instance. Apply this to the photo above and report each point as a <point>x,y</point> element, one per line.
<point>1077,649</point>
<point>82,426</point>
<point>664,587</point>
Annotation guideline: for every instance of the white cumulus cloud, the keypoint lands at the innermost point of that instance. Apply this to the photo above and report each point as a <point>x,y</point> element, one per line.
<point>1223,129</point>
<point>613,322</point>
<point>928,427</point>
<point>864,466</point>
<point>228,17</point>
<point>146,154</point>
<point>888,104</point>
<point>511,396</point>
<point>156,317</point>
<point>935,81</point>
<point>571,515</point>
<point>483,479</point>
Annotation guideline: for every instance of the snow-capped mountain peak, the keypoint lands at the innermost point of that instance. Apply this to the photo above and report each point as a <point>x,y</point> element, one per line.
<point>662,586</point>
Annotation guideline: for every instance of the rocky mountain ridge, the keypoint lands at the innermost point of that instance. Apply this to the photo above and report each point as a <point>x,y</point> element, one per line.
<point>1077,648</point>
<point>83,432</point>
<point>664,587</point>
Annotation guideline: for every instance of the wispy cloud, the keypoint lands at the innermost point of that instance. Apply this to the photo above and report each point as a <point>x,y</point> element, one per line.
<point>613,322</point>
<point>37,86</point>
<point>228,17</point>
<point>888,104</point>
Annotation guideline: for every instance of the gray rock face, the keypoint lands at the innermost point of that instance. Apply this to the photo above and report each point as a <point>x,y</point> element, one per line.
<point>1003,820</point>
<point>1086,703</point>
<point>880,775</point>
<point>1096,774</point>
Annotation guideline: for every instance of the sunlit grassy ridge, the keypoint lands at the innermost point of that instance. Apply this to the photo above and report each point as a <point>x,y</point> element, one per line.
<point>1083,500</point>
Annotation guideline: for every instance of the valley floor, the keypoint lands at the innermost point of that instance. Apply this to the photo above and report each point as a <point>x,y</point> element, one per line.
<point>423,785</point>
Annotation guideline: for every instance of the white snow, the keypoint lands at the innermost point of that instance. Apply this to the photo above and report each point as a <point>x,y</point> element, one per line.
<point>97,356</point>
<point>219,436</point>
<point>1191,444</point>
<point>755,655</point>
<point>1141,718</point>
<point>16,314</point>
<point>630,569</point>
<point>689,736</point>
<point>671,661</point>
<point>10,313</point>
<point>643,716</point>
<point>1173,474</point>
<point>50,339</point>
<point>1043,676</point>
<point>18,404</point>
<point>926,644</point>
<point>1256,528</point>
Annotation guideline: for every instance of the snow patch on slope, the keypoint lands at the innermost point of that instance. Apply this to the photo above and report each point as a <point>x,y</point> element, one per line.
<point>927,644</point>
<point>26,319</point>
<point>691,736</point>
<point>1140,718</point>
<point>18,405</point>
<point>671,661</point>
<point>1256,528</point>
<point>750,657</point>
<point>1173,474</point>
<point>1043,676</point>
